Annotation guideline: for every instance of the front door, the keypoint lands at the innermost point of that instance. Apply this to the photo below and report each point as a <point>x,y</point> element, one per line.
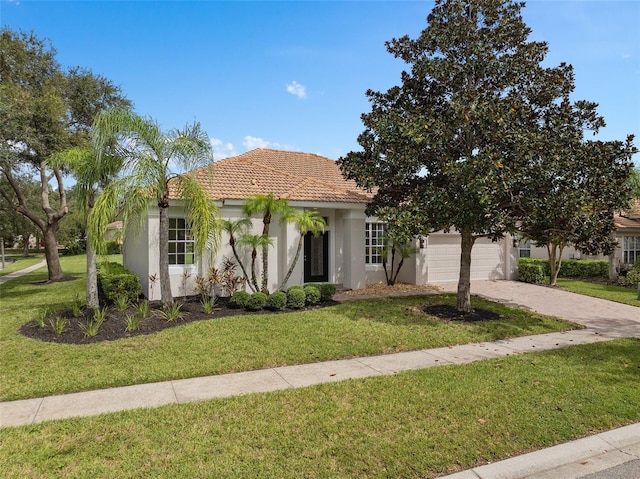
<point>316,258</point>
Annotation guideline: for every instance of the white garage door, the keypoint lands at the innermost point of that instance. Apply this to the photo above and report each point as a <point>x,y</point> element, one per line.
<point>443,259</point>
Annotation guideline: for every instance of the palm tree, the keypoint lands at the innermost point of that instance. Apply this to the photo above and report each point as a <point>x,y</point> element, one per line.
<point>152,160</point>
<point>91,178</point>
<point>254,242</point>
<point>393,246</point>
<point>267,205</point>
<point>235,229</point>
<point>307,222</point>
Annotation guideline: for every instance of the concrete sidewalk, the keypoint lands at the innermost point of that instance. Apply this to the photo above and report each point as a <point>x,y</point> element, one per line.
<point>613,454</point>
<point>17,274</point>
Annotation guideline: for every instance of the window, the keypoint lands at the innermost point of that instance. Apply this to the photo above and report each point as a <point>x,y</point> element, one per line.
<point>631,249</point>
<point>180,242</point>
<point>374,242</point>
<point>524,248</point>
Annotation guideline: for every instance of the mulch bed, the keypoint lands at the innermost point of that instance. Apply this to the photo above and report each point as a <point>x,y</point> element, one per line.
<point>450,313</point>
<point>114,326</point>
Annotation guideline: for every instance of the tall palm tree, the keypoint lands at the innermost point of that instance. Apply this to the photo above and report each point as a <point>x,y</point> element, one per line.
<point>235,229</point>
<point>307,222</point>
<point>254,242</point>
<point>267,206</point>
<point>153,161</point>
<point>91,177</point>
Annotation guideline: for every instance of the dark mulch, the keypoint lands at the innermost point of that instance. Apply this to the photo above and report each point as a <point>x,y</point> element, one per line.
<point>114,326</point>
<point>450,313</point>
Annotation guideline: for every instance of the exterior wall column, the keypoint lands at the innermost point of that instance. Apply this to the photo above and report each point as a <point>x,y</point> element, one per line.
<point>355,275</point>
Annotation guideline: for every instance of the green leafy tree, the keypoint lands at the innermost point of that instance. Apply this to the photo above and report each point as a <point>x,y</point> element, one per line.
<point>578,187</point>
<point>267,206</point>
<point>450,145</point>
<point>13,224</point>
<point>44,112</point>
<point>306,222</point>
<point>152,164</point>
<point>92,176</point>
<point>235,229</point>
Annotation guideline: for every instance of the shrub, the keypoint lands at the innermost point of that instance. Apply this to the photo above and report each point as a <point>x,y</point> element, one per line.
<point>530,271</point>
<point>277,301</point>
<point>172,313</point>
<point>239,299</point>
<point>295,297</point>
<point>117,281</point>
<point>632,278</point>
<point>311,294</point>
<point>113,247</point>
<point>208,304</point>
<point>570,268</point>
<point>256,301</point>
<point>75,247</point>
<point>327,290</point>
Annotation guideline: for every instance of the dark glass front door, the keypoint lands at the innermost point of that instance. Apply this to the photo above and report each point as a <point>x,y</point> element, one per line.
<point>316,258</point>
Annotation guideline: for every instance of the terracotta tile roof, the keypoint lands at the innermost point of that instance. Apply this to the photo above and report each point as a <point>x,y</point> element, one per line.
<point>287,174</point>
<point>629,218</point>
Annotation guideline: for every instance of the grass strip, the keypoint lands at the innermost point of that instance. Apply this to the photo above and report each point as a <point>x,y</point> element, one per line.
<point>19,262</point>
<point>240,343</point>
<point>417,424</point>
<point>619,294</point>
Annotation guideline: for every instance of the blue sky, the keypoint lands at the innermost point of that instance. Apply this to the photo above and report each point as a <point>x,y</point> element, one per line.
<point>293,75</point>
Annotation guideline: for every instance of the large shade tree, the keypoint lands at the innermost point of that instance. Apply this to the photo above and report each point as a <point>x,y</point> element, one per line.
<point>576,185</point>
<point>45,110</point>
<point>153,172</point>
<point>450,146</point>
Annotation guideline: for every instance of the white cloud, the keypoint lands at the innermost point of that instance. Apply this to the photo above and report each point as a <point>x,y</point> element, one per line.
<point>251,143</point>
<point>221,149</point>
<point>296,89</point>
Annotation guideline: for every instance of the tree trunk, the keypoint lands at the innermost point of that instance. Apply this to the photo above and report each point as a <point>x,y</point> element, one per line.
<point>163,262</point>
<point>25,244</point>
<point>232,242</point>
<point>555,262</point>
<point>463,302</point>
<point>92,278</point>
<point>265,253</point>
<point>613,272</point>
<point>254,255</point>
<point>293,264</point>
<point>51,253</point>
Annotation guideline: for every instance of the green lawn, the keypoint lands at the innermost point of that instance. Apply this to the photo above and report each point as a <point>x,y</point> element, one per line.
<point>417,424</point>
<point>20,263</point>
<point>618,294</point>
<point>240,343</point>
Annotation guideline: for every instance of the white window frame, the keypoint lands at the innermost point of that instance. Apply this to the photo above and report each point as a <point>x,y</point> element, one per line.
<point>181,243</point>
<point>524,248</point>
<point>630,249</point>
<point>374,242</point>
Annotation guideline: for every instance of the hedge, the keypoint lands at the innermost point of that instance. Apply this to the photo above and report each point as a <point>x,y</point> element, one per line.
<point>529,269</point>
<point>117,281</point>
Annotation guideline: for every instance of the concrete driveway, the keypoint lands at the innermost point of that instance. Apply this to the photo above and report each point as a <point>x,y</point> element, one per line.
<point>604,317</point>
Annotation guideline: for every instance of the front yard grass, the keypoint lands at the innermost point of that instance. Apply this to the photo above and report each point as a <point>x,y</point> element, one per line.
<point>18,263</point>
<point>619,294</point>
<point>31,368</point>
<point>417,424</point>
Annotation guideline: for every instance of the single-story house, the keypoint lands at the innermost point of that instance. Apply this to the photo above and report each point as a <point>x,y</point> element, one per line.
<point>346,254</point>
<point>627,224</point>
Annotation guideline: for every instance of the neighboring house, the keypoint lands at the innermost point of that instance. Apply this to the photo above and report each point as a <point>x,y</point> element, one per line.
<point>346,254</point>
<point>627,233</point>
<point>114,232</point>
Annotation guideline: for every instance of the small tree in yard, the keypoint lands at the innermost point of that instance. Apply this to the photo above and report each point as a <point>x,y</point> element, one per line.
<point>235,229</point>
<point>306,222</point>
<point>267,206</point>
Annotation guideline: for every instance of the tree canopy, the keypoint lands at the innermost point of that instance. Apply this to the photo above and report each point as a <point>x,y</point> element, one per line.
<point>46,109</point>
<point>452,147</point>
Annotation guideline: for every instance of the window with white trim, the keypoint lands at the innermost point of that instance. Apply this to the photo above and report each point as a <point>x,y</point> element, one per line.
<point>630,249</point>
<point>524,248</point>
<point>180,242</point>
<point>374,242</point>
